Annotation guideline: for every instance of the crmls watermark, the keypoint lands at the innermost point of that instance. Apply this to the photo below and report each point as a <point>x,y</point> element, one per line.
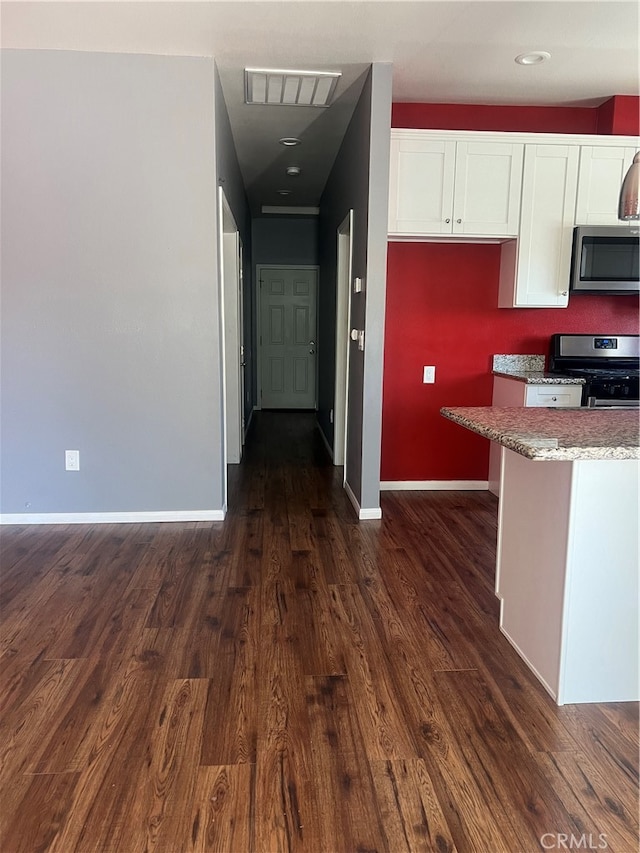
<point>562,841</point>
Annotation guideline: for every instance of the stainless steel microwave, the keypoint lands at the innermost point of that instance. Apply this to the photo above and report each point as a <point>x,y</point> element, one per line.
<point>605,259</point>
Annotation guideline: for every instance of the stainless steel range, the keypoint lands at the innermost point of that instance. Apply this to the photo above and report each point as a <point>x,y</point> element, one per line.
<point>609,364</point>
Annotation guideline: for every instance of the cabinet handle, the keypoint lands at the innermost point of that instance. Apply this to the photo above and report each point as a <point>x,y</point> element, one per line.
<point>563,293</point>
<point>554,399</point>
<point>458,221</point>
<point>447,220</point>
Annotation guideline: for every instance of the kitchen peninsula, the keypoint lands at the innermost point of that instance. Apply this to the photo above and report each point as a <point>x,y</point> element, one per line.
<point>567,553</point>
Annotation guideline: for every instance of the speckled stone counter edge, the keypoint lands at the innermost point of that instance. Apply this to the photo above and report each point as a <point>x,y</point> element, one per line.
<point>529,369</point>
<point>539,447</point>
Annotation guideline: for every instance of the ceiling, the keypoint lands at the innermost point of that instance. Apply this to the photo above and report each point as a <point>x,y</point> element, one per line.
<point>442,51</point>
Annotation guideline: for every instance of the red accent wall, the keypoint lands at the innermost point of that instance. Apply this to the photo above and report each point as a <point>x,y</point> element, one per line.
<point>620,115</point>
<point>486,117</point>
<point>441,310</point>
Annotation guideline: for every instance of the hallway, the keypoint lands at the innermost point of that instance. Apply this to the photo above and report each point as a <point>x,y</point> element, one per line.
<point>289,680</point>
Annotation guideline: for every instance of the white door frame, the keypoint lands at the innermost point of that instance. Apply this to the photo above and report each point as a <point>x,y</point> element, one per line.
<point>242,348</point>
<point>258,289</point>
<point>343,321</point>
<point>231,331</point>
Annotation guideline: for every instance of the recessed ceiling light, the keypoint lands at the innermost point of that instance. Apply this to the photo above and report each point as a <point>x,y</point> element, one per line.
<point>293,171</point>
<point>533,58</point>
<point>289,141</point>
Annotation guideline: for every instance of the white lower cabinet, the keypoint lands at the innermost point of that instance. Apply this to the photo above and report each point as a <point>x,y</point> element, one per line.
<point>552,395</point>
<point>567,574</point>
<point>513,392</point>
<point>534,270</point>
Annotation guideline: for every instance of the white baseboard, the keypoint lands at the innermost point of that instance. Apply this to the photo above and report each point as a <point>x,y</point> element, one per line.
<point>324,439</point>
<point>112,517</point>
<point>372,514</point>
<point>434,485</point>
<point>367,514</point>
<point>542,681</point>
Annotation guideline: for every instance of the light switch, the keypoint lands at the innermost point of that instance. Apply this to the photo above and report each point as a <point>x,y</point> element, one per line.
<point>429,375</point>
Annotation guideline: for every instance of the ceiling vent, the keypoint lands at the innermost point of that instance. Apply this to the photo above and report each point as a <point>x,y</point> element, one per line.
<point>290,88</point>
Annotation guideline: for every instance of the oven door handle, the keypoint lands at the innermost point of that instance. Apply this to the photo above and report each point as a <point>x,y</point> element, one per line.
<point>612,403</point>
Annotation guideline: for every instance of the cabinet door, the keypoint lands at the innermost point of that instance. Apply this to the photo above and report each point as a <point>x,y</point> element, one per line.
<point>602,170</point>
<point>421,186</point>
<point>488,180</point>
<point>534,272</point>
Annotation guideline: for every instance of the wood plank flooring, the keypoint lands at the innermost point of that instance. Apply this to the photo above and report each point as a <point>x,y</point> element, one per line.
<point>290,680</point>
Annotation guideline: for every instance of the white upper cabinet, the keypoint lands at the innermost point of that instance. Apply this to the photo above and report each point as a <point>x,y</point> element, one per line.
<point>524,190</point>
<point>443,186</point>
<point>602,170</point>
<point>486,198</point>
<point>421,185</point>
<point>534,270</point>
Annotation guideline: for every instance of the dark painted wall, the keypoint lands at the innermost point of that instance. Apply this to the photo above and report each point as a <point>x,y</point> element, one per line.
<point>285,240</point>
<point>358,181</point>
<point>230,178</point>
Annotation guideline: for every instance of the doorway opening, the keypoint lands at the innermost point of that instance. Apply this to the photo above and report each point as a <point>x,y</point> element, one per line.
<point>232,332</point>
<point>343,318</point>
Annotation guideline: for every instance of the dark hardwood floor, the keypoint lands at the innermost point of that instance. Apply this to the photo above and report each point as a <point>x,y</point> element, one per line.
<point>290,680</point>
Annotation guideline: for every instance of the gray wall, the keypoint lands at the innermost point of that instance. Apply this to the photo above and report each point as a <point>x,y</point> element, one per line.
<point>110,322</point>
<point>230,178</point>
<point>359,180</point>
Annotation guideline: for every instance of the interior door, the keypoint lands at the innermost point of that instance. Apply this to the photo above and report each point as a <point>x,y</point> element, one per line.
<point>288,337</point>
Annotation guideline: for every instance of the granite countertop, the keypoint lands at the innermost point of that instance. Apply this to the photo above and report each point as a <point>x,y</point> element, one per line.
<point>530,369</point>
<point>539,377</point>
<point>555,434</point>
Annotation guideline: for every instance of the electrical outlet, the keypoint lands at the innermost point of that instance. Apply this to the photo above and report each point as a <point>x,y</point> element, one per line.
<point>429,375</point>
<point>72,460</point>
